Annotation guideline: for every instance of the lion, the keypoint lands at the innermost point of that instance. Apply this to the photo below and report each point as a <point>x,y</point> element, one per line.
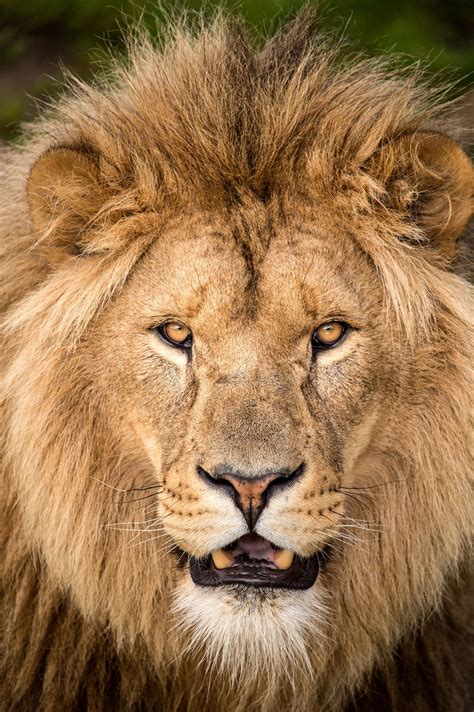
<point>235,385</point>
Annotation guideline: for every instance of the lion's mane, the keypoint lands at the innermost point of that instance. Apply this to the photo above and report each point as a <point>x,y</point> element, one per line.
<point>205,113</point>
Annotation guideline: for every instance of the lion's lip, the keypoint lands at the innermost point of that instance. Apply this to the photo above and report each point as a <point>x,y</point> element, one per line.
<point>252,561</point>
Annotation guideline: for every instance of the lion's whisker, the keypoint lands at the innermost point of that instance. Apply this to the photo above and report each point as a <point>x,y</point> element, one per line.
<point>134,529</point>
<point>154,538</point>
<point>132,489</point>
<point>357,524</point>
<point>348,538</point>
<point>361,504</point>
<point>137,499</point>
<point>138,521</point>
<point>157,521</point>
<point>380,484</point>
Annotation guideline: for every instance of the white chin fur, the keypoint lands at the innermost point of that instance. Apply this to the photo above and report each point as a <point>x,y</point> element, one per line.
<point>250,633</point>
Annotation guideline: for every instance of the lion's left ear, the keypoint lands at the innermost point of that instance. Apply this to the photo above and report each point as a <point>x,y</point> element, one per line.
<point>64,193</point>
<point>428,177</point>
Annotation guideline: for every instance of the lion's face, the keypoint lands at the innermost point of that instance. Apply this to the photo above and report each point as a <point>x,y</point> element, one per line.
<point>254,403</point>
<point>237,391</point>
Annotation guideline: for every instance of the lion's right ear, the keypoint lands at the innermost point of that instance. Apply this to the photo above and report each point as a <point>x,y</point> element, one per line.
<point>64,194</point>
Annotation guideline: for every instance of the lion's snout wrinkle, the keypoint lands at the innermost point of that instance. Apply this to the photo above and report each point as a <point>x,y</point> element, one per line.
<point>251,492</point>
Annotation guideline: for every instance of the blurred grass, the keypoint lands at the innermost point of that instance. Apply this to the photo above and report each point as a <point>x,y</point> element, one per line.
<point>36,37</point>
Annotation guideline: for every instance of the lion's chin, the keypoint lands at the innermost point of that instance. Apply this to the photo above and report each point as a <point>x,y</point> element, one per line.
<point>231,625</point>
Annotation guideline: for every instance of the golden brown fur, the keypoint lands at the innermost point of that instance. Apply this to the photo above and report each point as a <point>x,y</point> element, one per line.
<point>253,193</point>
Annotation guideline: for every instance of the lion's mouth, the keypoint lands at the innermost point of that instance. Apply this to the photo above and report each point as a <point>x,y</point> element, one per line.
<point>254,561</point>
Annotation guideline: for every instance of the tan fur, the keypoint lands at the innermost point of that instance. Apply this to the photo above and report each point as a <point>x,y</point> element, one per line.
<point>253,194</point>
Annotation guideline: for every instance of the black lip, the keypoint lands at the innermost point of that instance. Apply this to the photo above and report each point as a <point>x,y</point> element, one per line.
<point>301,575</point>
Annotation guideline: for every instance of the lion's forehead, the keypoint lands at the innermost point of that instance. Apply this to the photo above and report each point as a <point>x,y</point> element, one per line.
<point>210,272</point>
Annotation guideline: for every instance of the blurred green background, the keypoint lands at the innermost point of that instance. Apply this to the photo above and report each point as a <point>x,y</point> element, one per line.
<point>38,36</point>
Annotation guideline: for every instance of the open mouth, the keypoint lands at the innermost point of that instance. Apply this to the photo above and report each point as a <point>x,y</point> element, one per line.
<point>254,561</point>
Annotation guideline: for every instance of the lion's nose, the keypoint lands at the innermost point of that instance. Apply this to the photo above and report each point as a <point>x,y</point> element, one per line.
<point>251,493</point>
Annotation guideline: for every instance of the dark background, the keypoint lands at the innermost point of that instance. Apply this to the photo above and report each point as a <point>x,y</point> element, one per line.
<point>39,35</point>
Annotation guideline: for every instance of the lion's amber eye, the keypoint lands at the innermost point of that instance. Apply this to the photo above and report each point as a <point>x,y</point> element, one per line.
<point>328,334</point>
<point>176,334</point>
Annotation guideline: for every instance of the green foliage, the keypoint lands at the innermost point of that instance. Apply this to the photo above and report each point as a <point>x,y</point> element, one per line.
<point>34,36</point>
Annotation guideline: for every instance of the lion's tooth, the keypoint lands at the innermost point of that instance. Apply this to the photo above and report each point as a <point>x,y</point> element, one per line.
<point>284,558</point>
<point>222,559</point>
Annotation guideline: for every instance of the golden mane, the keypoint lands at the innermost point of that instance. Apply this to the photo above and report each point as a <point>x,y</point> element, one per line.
<point>212,119</point>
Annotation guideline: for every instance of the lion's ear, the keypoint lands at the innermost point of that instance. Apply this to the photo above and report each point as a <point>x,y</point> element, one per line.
<point>429,177</point>
<point>64,193</point>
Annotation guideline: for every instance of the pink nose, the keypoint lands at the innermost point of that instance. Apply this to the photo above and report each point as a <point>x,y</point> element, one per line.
<point>251,493</point>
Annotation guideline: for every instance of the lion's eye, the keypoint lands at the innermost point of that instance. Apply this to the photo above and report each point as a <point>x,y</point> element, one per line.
<point>328,334</point>
<point>176,334</point>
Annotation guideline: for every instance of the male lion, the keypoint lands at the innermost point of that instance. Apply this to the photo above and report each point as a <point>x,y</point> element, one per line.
<point>235,387</point>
